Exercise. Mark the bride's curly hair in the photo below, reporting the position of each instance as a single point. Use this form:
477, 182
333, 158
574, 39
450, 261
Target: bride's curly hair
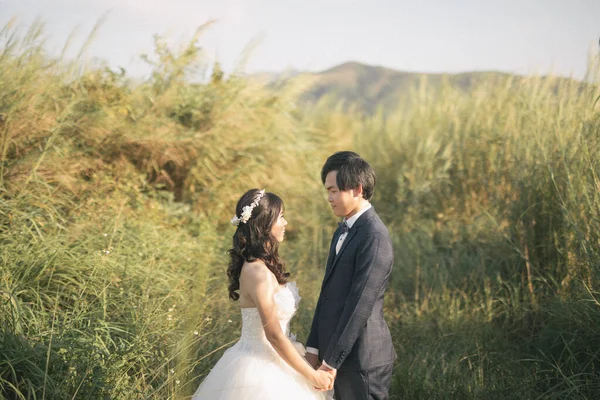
253, 240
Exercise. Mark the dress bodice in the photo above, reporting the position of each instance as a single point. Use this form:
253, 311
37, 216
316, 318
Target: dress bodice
286, 300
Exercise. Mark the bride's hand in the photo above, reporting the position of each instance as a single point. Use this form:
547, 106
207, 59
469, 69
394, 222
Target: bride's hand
322, 380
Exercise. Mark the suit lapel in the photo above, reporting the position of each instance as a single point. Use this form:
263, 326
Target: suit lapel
333, 258
336, 257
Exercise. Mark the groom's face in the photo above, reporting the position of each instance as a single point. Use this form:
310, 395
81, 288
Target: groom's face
343, 203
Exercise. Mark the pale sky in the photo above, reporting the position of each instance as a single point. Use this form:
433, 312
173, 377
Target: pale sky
519, 36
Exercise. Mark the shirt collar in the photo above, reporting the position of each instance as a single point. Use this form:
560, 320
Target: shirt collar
350, 221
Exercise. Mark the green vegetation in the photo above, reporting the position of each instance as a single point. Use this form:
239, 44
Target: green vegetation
115, 199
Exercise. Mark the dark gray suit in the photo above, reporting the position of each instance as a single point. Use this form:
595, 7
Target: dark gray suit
348, 326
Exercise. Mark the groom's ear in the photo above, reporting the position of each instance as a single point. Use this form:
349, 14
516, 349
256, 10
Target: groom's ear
358, 191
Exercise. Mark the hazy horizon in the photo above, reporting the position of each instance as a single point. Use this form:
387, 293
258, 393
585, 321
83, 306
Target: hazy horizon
535, 37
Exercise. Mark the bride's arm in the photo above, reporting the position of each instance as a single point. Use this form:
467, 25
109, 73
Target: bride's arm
261, 287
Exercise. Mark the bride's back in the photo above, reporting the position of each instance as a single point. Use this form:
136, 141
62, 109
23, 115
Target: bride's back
250, 272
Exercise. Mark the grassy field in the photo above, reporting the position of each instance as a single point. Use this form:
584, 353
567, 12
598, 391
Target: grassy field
115, 198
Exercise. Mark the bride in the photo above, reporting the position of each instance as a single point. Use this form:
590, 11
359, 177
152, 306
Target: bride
264, 364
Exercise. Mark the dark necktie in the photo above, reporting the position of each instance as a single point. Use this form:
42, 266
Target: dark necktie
343, 227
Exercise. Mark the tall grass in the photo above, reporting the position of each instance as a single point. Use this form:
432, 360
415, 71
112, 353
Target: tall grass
115, 198
494, 202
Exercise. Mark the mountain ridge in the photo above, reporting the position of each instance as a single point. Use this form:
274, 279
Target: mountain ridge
369, 87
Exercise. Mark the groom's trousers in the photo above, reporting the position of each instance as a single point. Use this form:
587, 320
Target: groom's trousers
370, 384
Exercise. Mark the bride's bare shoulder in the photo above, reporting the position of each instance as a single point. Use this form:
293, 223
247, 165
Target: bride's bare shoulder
255, 278
256, 271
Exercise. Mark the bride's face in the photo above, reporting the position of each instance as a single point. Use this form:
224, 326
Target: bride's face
278, 229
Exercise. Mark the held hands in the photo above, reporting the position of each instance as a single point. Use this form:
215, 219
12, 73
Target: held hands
325, 377
323, 380
331, 372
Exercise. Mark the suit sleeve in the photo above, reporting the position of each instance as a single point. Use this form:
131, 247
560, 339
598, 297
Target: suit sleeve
372, 269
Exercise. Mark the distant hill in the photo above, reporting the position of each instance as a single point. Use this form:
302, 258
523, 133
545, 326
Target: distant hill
369, 87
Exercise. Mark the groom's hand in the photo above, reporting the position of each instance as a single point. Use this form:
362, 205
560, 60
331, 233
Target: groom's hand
312, 359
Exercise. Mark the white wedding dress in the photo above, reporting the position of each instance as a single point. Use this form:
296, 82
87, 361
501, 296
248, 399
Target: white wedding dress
251, 369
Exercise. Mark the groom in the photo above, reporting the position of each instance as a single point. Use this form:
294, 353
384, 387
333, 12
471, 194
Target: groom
349, 336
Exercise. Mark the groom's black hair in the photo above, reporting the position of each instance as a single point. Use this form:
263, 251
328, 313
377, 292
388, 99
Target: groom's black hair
352, 171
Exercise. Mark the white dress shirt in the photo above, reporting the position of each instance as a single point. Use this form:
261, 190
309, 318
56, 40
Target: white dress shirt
350, 221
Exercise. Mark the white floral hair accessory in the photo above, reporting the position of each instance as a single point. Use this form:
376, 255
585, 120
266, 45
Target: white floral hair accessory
247, 210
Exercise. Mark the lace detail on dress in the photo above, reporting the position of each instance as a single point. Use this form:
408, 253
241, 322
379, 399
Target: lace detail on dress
294, 289
251, 324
